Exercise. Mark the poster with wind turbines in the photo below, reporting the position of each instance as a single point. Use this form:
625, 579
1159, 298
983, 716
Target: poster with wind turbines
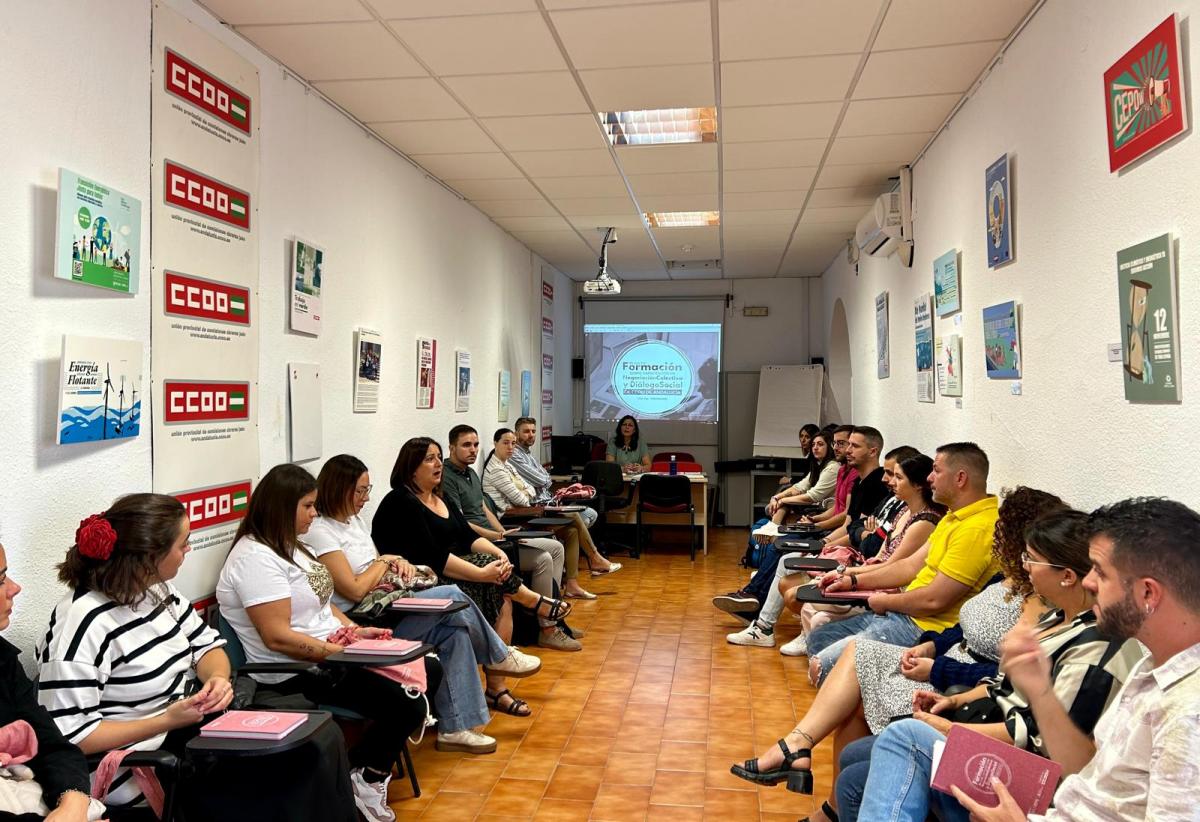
100, 390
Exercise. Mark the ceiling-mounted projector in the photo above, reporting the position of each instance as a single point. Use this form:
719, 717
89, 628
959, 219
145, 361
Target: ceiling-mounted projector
604, 284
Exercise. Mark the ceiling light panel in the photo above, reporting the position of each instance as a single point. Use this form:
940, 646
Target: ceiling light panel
656, 127
788, 80
938, 70
641, 88
756, 29
484, 44
241, 13
642, 35
335, 51
912, 23
682, 219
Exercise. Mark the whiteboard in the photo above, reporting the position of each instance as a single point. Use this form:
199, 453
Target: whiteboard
788, 397
304, 410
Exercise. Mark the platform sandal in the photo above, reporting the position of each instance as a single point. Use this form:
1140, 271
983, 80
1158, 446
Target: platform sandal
558, 609
826, 809
798, 781
514, 706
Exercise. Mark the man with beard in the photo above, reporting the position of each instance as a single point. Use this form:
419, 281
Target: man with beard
1146, 579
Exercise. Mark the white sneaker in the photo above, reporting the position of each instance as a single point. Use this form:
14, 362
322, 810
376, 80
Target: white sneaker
753, 635
466, 741
795, 647
371, 797
516, 664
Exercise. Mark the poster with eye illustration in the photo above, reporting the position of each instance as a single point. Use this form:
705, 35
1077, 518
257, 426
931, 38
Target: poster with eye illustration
998, 209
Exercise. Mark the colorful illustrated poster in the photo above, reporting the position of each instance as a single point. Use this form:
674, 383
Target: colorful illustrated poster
526, 392
547, 346
1149, 321
99, 235
462, 381
949, 359
945, 283
503, 392
100, 390
923, 319
204, 156
426, 371
998, 206
1143, 96
368, 358
883, 367
1002, 341
307, 263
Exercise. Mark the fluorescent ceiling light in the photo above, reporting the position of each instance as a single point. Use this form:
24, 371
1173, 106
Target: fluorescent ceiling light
660, 126
682, 219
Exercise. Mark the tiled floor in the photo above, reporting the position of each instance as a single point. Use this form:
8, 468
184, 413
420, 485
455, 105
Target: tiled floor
645, 721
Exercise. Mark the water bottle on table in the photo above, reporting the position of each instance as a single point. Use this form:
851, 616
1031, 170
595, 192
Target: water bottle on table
674, 466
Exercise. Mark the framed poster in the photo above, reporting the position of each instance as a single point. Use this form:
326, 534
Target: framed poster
923, 322
1143, 96
949, 359
368, 354
883, 366
462, 382
998, 211
100, 390
305, 278
945, 283
304, 410
526, 392
426, 371
502, 396
1002, 341
98, 240
1149, 321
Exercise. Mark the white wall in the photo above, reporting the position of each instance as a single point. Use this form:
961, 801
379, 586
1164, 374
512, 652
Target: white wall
1071, 431
404, 256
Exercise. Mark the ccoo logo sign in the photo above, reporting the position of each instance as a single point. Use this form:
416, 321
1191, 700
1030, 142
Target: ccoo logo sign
204, 195
193, 84
185, 296
213, 506
205, 401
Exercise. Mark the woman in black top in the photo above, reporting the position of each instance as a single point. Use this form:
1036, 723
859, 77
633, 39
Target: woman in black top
415, 521
59, 766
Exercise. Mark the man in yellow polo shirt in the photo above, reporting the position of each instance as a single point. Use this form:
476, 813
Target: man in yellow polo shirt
952, 566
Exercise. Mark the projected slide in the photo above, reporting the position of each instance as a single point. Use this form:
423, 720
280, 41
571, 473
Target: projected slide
662, 371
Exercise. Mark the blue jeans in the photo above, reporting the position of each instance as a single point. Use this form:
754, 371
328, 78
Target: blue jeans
463, 640
898, 785
760, 584
853, 766
827, 642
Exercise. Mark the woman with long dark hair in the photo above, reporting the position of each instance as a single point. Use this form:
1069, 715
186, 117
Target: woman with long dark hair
276, 596
816, 486
627, 448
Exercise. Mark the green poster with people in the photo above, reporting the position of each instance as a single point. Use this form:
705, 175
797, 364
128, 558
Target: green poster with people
1149, 321
98, 234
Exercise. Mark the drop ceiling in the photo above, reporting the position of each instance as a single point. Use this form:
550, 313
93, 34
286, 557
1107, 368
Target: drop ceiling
819, 102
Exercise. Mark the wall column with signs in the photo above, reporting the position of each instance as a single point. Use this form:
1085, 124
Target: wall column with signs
547, 366
204, 274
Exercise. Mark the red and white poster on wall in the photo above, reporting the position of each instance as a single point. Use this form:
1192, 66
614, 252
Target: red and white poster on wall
1143, 95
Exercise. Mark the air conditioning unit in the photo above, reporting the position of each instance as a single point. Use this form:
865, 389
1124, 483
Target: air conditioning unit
880, 230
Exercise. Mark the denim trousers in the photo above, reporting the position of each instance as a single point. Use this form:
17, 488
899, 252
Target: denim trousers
760, 584
827, 642
464, 640
898, 784
853, 766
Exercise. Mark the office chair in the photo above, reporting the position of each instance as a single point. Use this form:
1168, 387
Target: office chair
660, 495
609, 482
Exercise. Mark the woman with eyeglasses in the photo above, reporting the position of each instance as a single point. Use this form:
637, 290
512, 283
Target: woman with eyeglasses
464, 639
414, 518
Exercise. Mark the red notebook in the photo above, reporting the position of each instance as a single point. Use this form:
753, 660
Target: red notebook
416, 602
253, 725
382, 647
972, 760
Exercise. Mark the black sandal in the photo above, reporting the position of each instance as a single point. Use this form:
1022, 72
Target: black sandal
826, 809
514, 706
798, 781
558, 609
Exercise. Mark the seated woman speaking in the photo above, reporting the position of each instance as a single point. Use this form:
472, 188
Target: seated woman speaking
276, 596
627, 448
342, 543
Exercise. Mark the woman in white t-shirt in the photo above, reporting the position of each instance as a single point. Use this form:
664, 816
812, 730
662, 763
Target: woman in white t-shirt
342, 543
276, 596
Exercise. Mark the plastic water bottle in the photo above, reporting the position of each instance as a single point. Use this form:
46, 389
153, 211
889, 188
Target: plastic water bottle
674, 466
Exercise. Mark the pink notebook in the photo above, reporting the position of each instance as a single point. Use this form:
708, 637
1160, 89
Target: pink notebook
416, 602
253, 725
381, 647
971, 761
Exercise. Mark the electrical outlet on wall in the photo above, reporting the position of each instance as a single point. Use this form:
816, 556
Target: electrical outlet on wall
1114, 352
1016, 388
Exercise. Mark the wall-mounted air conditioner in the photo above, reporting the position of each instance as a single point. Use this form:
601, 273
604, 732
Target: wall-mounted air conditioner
887, 227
